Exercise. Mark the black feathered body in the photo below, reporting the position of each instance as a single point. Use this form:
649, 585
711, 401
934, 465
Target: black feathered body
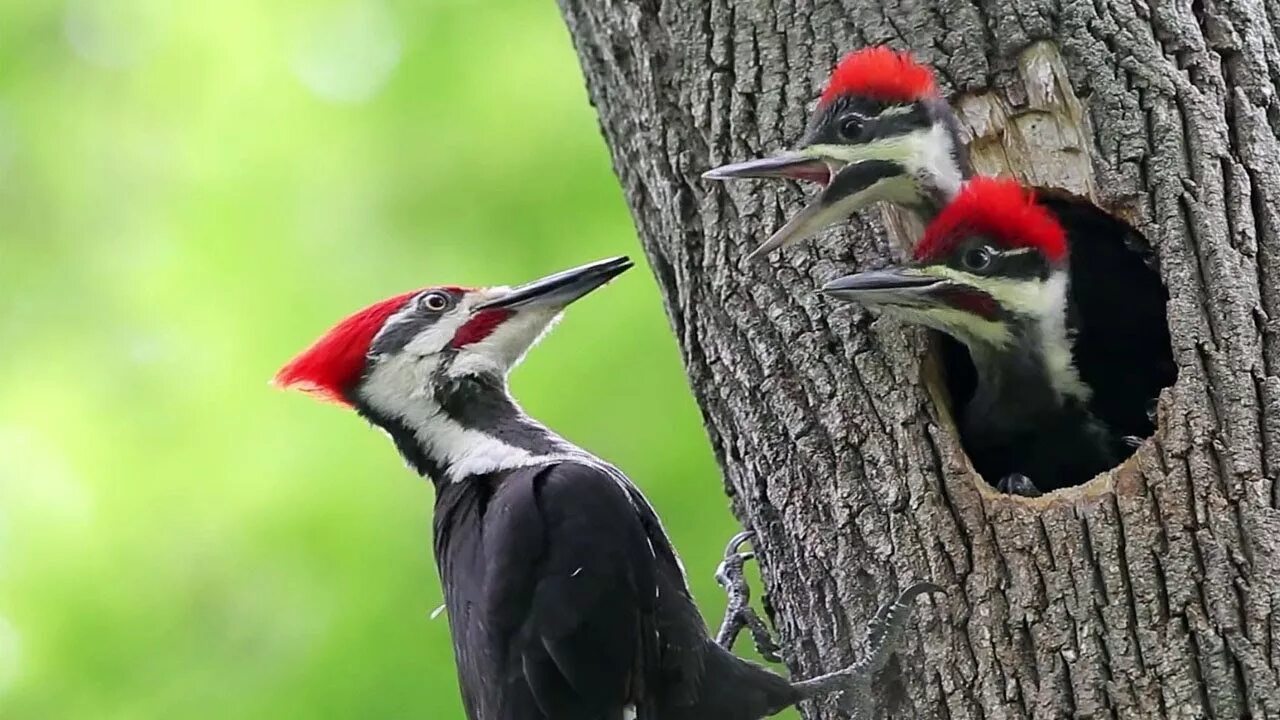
565, 597
566, 602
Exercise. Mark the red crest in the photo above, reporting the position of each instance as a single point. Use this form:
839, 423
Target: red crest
1000, 209
881, 74
333, 364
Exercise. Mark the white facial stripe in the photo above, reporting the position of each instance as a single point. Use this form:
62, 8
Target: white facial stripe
894, 147
400, 316
966, 326
934, 156
440, 333
399, 386
926, 153
400, 380
1028, 297
1057, 340
1046, 301
896, 110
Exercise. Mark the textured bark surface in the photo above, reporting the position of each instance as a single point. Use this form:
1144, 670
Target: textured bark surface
1153, 591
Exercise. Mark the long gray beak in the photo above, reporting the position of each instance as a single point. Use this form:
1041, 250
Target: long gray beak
790, 165
852, 188
562, 288
903, 286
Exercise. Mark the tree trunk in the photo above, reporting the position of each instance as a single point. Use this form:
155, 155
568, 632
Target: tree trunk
1152, 591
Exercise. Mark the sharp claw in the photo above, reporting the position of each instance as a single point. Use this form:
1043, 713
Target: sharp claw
919, 589
736, 542
883, 632
738, 614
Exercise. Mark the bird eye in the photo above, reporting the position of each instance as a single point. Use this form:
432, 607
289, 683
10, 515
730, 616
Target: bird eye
435, 302
978, 258
850, 127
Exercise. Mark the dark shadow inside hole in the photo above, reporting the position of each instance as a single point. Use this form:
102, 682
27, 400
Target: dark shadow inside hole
1119, 334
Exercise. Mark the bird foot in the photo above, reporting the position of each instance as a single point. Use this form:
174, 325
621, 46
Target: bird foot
883, 633
1018, 484
739, 613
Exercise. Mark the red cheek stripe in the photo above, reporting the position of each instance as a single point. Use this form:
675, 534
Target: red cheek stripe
480, 326
976, 302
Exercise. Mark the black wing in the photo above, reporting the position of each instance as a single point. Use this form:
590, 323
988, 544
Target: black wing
570, 590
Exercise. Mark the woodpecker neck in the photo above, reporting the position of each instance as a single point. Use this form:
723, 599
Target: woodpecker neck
941, 163
465, 425
1013, 387
1033, 374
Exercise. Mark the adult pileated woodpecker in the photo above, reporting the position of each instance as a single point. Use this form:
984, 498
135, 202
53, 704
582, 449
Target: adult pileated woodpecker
991, 272
566, 600
882, 132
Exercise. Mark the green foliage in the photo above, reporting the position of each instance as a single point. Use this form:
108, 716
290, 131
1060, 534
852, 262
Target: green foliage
189, 194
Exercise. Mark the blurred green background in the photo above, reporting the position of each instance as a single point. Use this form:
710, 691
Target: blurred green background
189, 194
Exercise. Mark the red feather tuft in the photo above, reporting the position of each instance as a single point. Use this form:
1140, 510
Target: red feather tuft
881, 74
333, 364
480, 326
1000, 209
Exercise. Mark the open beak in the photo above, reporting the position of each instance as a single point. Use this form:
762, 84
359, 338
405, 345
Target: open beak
852, 187
846, 188
558, 290
899, 286
802, 165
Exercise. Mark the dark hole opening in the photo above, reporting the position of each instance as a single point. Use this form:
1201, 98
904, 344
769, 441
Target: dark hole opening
1119, 332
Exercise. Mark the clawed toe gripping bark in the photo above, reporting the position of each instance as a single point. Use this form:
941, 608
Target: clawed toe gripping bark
738, 613
854, 682
883, 633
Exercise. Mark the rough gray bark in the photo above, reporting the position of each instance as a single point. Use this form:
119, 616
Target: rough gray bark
1150, 592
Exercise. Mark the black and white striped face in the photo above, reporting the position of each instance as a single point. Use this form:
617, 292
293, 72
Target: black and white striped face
853, 120
980, 293
445, 333
863, 151
430, 368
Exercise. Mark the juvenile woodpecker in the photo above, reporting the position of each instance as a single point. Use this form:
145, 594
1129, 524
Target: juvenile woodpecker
565, 597
991, 272
882, 132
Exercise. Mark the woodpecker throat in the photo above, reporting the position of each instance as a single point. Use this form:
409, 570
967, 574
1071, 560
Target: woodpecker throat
465, 426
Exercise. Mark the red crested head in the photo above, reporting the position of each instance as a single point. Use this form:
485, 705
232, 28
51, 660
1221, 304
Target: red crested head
332, 366
999, 209
384, 351
880, 73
